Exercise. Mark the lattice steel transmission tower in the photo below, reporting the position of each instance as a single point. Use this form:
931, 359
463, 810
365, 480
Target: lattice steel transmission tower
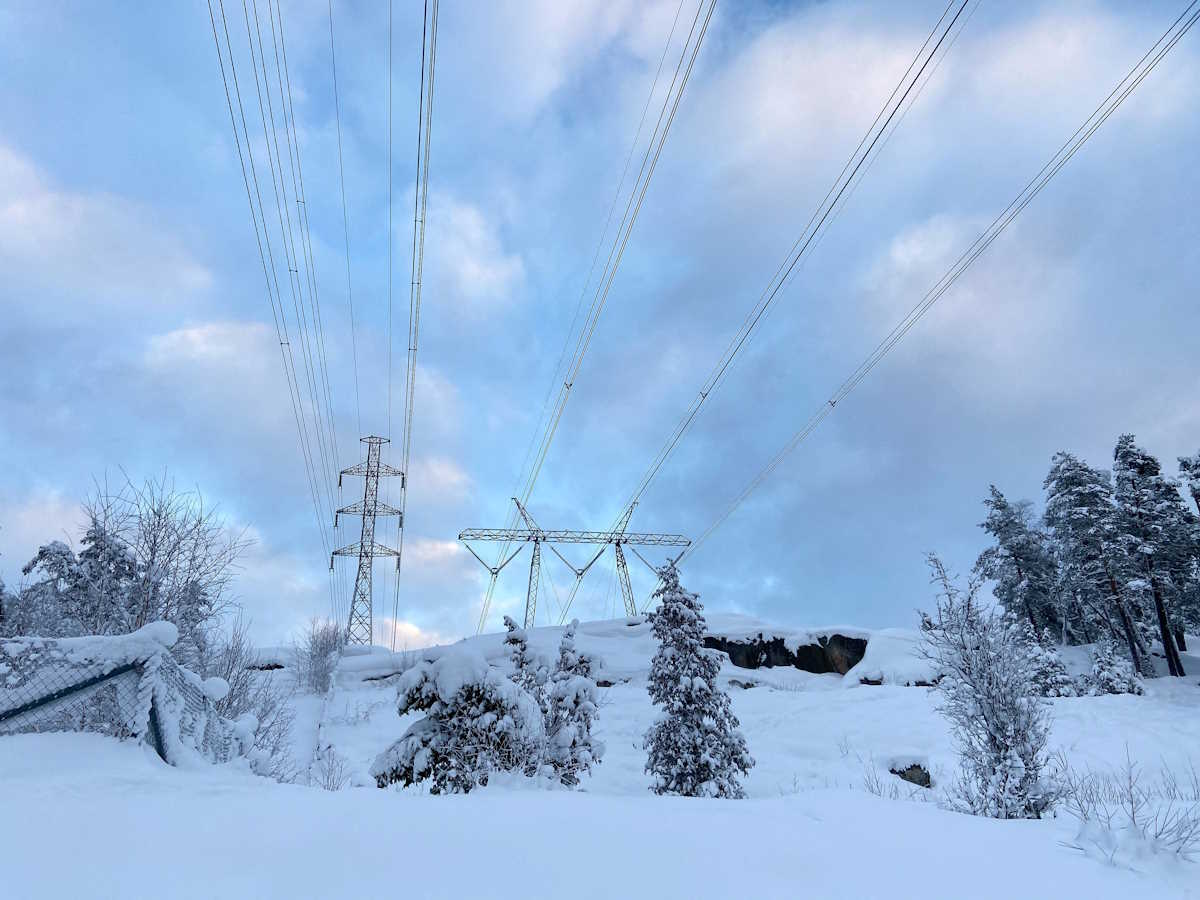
360, 625
534, 534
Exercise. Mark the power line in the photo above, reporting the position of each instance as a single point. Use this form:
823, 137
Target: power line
389, 220
1062, 156
818, 219
420, 204
337, 112
633, 206
262, 240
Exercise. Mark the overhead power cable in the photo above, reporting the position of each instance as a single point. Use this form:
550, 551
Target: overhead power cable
683, 71
904, 87
261, 225
1064, 154
337, 114
420, 205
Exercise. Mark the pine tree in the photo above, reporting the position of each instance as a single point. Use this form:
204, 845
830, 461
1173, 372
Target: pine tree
572, 701
1189, 473
695, 748
1082, 519
1021, 562
1153, 534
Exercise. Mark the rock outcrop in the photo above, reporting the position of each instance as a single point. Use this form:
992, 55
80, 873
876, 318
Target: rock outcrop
833, 653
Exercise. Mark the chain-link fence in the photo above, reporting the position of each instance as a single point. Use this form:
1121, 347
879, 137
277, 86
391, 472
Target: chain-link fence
124, 686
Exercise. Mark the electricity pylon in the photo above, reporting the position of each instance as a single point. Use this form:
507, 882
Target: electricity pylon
360, 626
534, 534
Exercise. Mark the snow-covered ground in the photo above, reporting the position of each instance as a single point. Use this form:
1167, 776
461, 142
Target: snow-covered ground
88, 816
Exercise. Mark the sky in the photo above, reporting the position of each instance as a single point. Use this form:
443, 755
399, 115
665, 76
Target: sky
137, 337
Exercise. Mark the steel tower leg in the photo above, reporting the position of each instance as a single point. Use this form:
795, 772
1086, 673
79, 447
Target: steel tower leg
626, 587
535, 573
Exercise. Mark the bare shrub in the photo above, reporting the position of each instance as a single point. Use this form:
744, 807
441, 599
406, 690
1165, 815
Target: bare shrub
1161, 811
254, 691
316, 655
329, 770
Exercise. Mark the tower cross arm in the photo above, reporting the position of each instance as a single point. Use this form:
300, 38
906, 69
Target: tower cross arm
357, 549
641, 539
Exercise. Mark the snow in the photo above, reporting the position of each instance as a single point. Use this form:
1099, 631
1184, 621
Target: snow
892, 657
809, 826
741, 628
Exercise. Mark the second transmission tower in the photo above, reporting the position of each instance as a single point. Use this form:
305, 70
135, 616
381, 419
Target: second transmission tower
360, 625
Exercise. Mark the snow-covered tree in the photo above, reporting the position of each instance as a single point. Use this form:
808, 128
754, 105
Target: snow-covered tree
477, 721
695, 748
1050, 676
989, 695
1154, 534
1082, 518
1020, 561
1112, 673
529, 671
1189, 474
572, 701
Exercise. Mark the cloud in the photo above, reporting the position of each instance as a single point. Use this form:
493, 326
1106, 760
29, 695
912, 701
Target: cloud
439, 478
470, 267
211, 345
535, 48
94, 246
45, 514
406, 635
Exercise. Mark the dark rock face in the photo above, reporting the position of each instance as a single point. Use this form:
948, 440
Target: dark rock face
915, 774
832, 653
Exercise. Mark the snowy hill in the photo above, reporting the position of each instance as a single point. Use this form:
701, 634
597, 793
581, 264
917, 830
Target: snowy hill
824, 815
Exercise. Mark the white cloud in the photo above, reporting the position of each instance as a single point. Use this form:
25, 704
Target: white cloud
91, 243
27, 523
470, 264
536, 47
210, 344
406, 635
439, 478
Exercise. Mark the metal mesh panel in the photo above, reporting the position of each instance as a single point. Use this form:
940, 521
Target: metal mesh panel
48, 685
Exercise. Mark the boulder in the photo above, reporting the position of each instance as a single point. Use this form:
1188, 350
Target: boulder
834, 653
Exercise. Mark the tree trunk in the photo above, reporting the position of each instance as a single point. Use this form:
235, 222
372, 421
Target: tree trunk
1180, 640
1139, 665
1174, 663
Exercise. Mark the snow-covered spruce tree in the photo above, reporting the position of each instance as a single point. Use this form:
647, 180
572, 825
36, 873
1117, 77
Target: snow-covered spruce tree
695, 748
529, 671
1082, 517
1050, 676
989, 695
1112, 672
1154, 533
571, 749
1020, 561
477, 721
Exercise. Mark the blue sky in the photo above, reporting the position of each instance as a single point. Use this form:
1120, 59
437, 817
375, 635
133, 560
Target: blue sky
136, 332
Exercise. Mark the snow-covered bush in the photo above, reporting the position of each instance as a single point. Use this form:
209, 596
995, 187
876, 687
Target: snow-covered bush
695, 748
989, 695
477, 721
571, 703
1112, 673
255, 692
316, 655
